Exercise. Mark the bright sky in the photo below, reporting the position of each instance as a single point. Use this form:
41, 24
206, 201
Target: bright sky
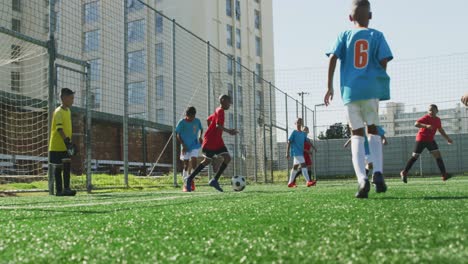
305, 29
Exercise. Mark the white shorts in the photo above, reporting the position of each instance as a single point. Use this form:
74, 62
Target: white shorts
189, 154
298, 160
362, 113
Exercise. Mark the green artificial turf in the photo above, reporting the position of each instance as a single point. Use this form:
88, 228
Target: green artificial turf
424, 221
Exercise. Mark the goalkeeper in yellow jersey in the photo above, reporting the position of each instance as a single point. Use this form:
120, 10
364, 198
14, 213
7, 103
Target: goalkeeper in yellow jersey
60, 146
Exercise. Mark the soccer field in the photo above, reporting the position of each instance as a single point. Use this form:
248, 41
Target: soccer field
421, 222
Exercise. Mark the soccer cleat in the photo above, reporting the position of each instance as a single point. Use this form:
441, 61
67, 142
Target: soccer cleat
378, 180
193, 186
310, 183
69, 192
446, 176
59, 193
363, 190
404, 176
292, 185
314, 182
187, 185
215, 184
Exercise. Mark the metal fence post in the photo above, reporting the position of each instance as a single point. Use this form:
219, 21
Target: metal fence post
174, 104
89, 183
208, 110
52, 78
234, 91
271, 132
125, 116
287, 126
254, 123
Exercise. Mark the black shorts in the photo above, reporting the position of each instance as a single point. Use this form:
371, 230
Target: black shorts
421, 145
56, 157
211, 153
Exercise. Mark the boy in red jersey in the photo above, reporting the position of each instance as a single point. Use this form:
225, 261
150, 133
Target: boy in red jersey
213, 144
307, 157
428, 125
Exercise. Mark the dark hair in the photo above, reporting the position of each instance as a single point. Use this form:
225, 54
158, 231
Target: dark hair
435, 106
191, 111
65, 92
224, 97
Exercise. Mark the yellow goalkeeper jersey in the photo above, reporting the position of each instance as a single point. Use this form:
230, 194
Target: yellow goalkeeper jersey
60, 120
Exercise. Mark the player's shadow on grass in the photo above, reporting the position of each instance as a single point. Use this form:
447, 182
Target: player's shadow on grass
424, 198
445, 198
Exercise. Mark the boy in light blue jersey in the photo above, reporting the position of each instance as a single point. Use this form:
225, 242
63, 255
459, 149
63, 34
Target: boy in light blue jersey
364, 54
296, 150
189, 132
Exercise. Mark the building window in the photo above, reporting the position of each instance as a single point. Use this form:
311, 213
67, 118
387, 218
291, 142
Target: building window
96, 97
136, 31
16, 5
238, 10
240, 98
259, 100
240, 121
95, 70
91, 41
136, 93
229, 8
159, 23
238, 38
159, 87
229, 64
257, 19
258, 46
160, 115
231, 120
15, 52
91, 12
159, 54
229, 35
230, 90
15, 81
16, 25
136, 61
239, 67
134, 5
258, 71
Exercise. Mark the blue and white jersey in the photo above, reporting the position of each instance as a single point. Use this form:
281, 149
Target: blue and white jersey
189, 132
360, 51
296, 141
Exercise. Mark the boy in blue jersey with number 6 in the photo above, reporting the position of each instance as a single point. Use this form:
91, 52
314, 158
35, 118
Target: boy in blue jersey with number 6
364, 54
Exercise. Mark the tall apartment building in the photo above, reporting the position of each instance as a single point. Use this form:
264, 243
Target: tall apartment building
98, 31
397, 122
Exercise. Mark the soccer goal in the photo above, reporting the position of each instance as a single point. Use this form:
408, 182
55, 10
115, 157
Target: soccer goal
23, 111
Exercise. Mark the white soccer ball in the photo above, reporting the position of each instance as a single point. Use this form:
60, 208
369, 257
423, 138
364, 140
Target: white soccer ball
238, 183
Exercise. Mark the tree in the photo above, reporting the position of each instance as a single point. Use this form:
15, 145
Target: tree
336, 131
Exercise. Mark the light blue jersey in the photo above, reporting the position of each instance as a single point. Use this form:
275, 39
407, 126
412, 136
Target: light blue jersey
360, 51
296, 141
381, 133
189, 132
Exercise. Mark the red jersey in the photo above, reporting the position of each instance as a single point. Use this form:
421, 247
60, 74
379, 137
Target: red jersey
213, 138
307, 155
427, 135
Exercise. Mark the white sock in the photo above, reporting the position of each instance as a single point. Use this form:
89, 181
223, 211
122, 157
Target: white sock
292, 176
359, 158
375, 147
306, 174
185, 174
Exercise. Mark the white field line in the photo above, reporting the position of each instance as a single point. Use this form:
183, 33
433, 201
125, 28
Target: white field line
104, 203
